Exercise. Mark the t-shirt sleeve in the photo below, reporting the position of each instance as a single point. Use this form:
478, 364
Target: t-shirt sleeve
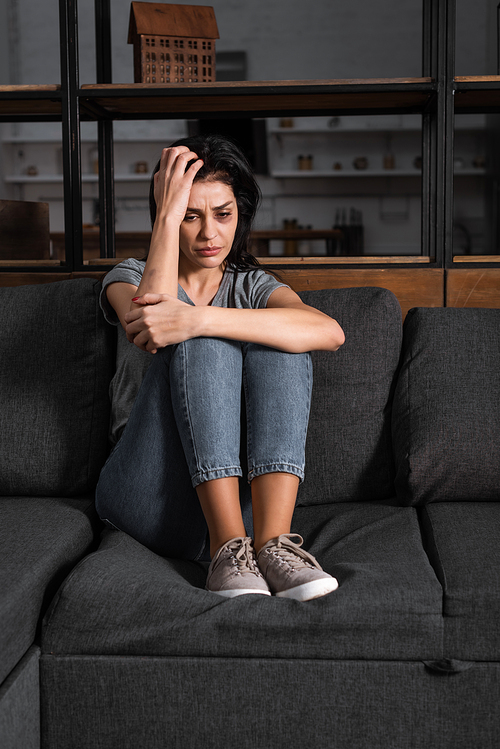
261, 286
129, 271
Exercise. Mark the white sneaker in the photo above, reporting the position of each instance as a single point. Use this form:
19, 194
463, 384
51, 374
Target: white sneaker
292, 572
234, 571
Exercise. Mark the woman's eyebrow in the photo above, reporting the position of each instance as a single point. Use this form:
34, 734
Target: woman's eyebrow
215, 208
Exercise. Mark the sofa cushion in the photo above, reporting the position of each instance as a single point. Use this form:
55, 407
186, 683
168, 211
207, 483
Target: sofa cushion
462, 542
40, 540
126, 702
20, 704
125, 600
349, 452
446, 414
57, 357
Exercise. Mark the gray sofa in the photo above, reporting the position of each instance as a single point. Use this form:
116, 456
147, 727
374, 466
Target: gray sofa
105, 645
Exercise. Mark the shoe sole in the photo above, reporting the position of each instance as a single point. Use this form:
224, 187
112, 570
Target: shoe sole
240, 592
308, 591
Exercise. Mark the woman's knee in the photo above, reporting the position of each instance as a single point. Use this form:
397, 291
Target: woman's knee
210, 349
215, 358
286, 374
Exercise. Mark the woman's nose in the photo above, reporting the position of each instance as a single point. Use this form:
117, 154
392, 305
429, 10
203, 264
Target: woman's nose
208, 229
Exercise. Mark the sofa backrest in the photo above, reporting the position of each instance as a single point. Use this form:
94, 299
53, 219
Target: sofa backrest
446, 414
349, 451
56, 362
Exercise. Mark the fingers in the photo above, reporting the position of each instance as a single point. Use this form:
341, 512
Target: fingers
178, 157
149, 298
174, 180
140, 337
145, 300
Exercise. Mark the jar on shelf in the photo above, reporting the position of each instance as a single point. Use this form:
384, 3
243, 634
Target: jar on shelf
389, 161
361, 162
305, 163
94, 161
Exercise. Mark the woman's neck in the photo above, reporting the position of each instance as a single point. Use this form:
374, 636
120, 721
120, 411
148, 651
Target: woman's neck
201, 286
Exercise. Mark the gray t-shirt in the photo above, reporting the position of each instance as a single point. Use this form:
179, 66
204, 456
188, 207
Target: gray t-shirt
249, 289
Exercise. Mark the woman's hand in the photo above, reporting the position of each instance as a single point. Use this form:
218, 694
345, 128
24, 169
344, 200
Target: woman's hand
172, 183
159, 321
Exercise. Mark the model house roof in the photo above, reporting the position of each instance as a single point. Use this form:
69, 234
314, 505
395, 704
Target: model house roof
166, 19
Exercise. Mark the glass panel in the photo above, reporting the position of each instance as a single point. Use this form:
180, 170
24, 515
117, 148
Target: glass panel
33, 42
332, 186
359, 176
33, 190
476, 39
137, 148
475, 184
298, 41
284, 40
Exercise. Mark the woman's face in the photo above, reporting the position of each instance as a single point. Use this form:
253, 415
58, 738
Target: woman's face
207, 231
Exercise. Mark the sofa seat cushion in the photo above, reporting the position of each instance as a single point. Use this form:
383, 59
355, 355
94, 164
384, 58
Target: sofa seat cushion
125, 600
462, 542
40, 540
446, 411
20, 704
57, 359
349, 449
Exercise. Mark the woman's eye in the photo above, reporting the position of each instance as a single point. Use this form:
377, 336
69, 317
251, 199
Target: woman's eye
189, 217
224, 214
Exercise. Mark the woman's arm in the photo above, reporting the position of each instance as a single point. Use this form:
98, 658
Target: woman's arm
172, 186
120, 297
286, 324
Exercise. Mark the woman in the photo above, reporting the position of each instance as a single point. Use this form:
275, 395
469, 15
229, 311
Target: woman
216, 324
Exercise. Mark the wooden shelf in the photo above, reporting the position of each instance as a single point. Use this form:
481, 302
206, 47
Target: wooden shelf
58, 178
260, 98
278, 260
345, 260
256, 98
480, 93
28, 263
476, 259
357, 173
30, 102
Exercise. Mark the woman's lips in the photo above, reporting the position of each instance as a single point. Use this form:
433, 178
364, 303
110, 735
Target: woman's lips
209, 251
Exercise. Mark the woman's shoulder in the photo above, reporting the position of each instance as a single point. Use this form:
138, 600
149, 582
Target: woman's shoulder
249, 275
252, 287
131, 263
128, 271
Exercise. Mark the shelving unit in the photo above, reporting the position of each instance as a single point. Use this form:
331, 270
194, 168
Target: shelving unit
435, 97
58, 178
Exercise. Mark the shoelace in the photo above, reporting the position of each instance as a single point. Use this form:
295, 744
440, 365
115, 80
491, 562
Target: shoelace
245, 558
293, 555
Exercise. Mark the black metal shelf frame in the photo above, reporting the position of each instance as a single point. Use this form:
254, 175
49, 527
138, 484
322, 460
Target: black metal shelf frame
436, 104
435, 65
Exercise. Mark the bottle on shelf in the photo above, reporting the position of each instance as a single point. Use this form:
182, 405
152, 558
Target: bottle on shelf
352, 241
290, 245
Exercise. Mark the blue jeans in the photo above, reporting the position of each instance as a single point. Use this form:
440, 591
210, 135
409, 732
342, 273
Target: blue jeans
185, 429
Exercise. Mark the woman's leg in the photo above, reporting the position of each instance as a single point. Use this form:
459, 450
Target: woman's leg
145, 487
220, 502
273, 503
208, 371
278, 390
206, 389
278, 395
